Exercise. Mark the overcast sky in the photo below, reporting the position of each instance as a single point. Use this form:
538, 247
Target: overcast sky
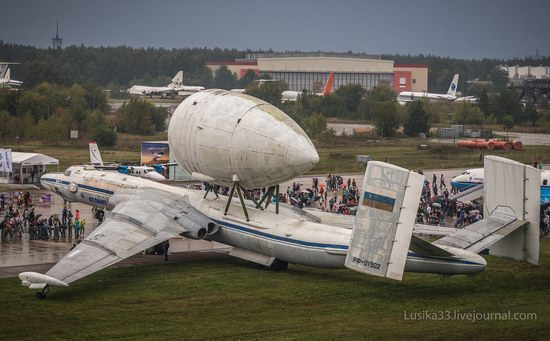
457, 28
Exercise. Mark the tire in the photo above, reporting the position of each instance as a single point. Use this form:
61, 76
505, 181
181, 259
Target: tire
278, 265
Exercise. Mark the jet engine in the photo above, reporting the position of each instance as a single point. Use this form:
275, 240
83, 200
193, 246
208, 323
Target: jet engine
224, 137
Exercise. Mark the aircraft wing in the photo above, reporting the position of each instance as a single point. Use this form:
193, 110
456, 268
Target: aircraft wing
140, 219
484, 233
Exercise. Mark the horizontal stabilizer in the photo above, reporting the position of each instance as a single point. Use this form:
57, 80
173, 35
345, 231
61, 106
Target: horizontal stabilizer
423, 247
385, 219
479, 236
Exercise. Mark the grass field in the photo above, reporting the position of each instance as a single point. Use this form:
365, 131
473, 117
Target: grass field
337, 157
227, 299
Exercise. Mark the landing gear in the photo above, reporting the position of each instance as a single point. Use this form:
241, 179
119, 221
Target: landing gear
42, 294
278, 265
99, 214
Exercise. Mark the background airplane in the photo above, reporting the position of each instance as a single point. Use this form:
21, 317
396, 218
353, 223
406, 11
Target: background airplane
292, 96
407, 96
175, 87
5, 76
474, 177
148, 172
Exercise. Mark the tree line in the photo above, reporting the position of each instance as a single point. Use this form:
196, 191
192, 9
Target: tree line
380, 107
122, 66
50, 111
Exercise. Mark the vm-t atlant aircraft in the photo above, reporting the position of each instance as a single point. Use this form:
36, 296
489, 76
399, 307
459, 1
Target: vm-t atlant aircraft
232, 139
175, 87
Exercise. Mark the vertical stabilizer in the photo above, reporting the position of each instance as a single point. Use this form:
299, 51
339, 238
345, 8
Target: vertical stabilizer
385, 219
453, 86
95, 156
328, 86
514, 188
178, 79
7, 75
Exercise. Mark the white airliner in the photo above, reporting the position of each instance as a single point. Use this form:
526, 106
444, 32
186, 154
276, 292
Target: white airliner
474, 177
242, 141
6, 80
175, 87
292, 96
147, 172
407, 96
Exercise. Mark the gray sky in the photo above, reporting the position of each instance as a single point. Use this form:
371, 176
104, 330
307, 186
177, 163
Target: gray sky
462, 29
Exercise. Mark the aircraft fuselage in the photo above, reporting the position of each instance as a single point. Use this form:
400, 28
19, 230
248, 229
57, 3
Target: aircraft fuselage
288, 236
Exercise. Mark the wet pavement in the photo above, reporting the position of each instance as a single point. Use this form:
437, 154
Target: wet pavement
19, 254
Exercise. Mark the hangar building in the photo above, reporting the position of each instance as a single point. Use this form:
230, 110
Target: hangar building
310, 71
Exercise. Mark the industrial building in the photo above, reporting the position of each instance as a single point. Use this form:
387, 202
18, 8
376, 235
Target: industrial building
310, 71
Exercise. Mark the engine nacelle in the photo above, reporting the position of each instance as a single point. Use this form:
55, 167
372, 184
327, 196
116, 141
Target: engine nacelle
230, 136
194, 229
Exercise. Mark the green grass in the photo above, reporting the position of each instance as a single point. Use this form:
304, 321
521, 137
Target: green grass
226, 299
337, 156
341, 158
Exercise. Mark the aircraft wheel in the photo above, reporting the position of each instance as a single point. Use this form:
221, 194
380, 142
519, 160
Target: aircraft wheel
40, 295
278, 265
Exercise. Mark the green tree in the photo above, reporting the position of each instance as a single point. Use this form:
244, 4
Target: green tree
224, 79
507, 123
386, 118
329, 105
8, 128
499, 78
466, 113
105, 137
134, 117
248, 77
380, 93
531, 114
95, 98
484, 103
352, 95
418, 119
506, 103
268, 91
316, 125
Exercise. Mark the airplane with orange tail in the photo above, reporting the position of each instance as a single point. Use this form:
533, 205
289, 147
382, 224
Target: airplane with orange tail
292, 96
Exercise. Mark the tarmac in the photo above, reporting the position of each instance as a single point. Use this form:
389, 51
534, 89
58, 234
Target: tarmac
22, 254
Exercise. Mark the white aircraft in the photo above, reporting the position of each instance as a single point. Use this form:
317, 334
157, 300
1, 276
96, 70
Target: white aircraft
175, 87
239, 140
6, 80
407, 96
292, 96
473, 177
147, 172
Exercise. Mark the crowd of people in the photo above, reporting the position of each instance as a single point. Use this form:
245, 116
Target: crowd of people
437, 208
19, 217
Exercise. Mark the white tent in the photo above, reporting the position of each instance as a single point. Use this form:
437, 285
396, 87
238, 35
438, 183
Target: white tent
28, 167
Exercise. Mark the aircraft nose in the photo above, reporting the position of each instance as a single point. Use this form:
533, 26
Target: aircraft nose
315, 158
302, 156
